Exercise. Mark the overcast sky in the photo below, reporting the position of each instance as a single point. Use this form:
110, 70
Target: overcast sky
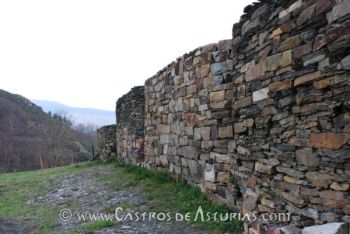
88, 53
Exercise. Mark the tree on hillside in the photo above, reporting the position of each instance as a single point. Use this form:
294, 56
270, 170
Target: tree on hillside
87, 134
59, 139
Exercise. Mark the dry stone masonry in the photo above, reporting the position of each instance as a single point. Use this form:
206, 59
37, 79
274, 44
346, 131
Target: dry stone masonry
260, 122
106, 141
130, 126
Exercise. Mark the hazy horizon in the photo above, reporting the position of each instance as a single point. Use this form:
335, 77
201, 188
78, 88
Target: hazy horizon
89, 53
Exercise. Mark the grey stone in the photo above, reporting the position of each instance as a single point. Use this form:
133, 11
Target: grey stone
345, 62
329, 228
260, 94
341, 9
218, 68
209, 173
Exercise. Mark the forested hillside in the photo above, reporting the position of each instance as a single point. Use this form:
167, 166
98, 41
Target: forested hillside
31, 139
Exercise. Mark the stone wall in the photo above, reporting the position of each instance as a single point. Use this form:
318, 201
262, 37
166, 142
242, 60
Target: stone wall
262, 122
130, 126
106, 141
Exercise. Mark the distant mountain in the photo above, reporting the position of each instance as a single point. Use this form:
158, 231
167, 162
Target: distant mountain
79, 115
32, 139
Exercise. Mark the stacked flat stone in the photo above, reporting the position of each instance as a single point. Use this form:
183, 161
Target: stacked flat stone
106, 141
260, 122
130, 126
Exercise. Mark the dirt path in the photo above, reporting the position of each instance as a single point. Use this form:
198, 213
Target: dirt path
92, 192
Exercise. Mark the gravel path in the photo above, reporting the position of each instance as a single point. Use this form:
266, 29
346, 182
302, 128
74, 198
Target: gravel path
87, 193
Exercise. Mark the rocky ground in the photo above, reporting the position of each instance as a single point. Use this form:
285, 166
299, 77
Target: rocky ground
95, 191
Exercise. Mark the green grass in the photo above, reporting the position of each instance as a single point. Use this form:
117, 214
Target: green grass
93, 226
82, 148
16, 188
165, 194
162, 193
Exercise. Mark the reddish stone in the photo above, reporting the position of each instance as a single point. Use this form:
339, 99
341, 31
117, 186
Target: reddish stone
140, 143
335, 203
277, 32
191, 120
320, 41
203, 71
322, 83
305, 78
338, 31
286, 84
328, 140
251, 182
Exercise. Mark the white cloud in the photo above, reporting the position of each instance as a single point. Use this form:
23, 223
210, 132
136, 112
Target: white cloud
88, 53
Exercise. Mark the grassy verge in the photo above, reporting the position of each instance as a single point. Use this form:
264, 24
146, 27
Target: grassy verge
165, 194
96, 225
17, 188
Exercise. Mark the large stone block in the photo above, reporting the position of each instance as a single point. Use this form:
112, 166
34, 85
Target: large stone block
341, 9
290, 9
205, 133
319, 179
256, 71
203, 71
290, 43
329, 140
218, 68
209, 173
225, 132
220, 158
306, 157
219, 105
260, 94
329, 228
278, 86
223, 177
217, 96
278, 60
263, 168
242, 103
250, 199
190, 152
306, 78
